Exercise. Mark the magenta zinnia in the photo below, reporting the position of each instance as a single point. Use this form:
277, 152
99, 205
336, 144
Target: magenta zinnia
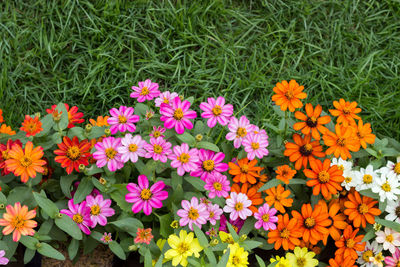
210, 163
79, 213
158, 149
184, 159
144, 198
215, 111
122, 120
177, 115
266, 218
99, 209
107, 154
165, 97
193, 213
147, 90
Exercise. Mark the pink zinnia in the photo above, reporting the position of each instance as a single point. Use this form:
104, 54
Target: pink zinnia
3, 260
79, 213
193, 213
99, 209
122, 120
237, 205
261, 132
143, 236
184, 159
157, 132
177, 115
106, 238
146, 91
210, 163
217, 185
132, 148
158, 149
216, 111
144, 198
393, 261
165, 98
255, 146
266, 218
214, 213
238, 130
107, 154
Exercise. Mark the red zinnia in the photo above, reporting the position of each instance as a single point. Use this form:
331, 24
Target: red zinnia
31, 126
4, 149
73, 115
72, 153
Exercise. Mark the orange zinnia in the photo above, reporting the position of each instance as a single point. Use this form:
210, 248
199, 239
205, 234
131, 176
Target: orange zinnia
349, 244
339, 262
251, 193
346, 112
324, 178
17, 219
288, 95
364, 134
338, 219
25, 163
342, 142
277, 196
4, 129
245, 171
286, 233
312, 122
361, 210
31, 126
101, 121
303, 151
312, 223
1, 116
285, 173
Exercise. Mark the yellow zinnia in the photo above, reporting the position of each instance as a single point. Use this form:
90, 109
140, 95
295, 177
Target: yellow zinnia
302, 258
226, 238
282, 262
237, 256
182, 247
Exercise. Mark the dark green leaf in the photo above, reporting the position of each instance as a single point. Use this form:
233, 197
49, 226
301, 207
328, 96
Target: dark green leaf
66, 182
270, 184
29, 242
46, 204
260, 261
165, 222
207, 145
147, 259
129, 225
117, 249
48, 251
73, 248
28, 255
393, 225
47, 123
85, 187
224, 259
66, 224
201, 236
196, 182
186, 138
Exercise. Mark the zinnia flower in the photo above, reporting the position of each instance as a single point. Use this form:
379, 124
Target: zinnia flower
393, 210
217, 185
177, 115
3, 260
158, 149
1, 119
215, 111
394, 260
349, 243
4, 129
122, 120
252, 194
147, 90
302, 258
338, 219
239, 129
277, 197
237, 256
144, 198
391, 168
106, 238
100, 121
31, 126
72, 153
99, 209
285, 173
4, 149
184, 159
389, 238
17, 220
132, 148
311, 123
387, 187
245, 171
79, 213
25, 163
281, 261
209, 163
107, 154
288, 95
236, 225
143, 236
266, 218
366, 177
193, 213
361, 210
214, 213
370, 251
345, 111
157, 132
341, 142
286, 234
238, 206
165, 97
255, 145
182, 247
364, 134
303, 151
73, 115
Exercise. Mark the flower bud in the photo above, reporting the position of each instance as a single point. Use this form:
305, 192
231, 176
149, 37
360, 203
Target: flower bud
199, 137
37, 114
59, 215
214, 242
82, 167
243, 238
174, 224
102, 180
377, 227
285, 142
88, 128
149, 114
2, 206
107, 132
133, 248
38, 245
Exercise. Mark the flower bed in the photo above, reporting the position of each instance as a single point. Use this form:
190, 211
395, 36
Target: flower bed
182, 184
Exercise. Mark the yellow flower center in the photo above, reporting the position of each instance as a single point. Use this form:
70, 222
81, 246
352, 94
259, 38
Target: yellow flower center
386, 187
323, 177
183, 247
166, 101
265, 217
239, 206
178, 114
398, 263
193, 214
145, 91
18, 222
348, 179
107, 238
208, 165
217, 186
110, 153
306, 150
244, 168
289, 94
367, 179
95, 210
184, 158
5, 155
285, 233
236, 260
241, 132
25, 161
309, 222
301, 262
217, 110
350, 243
157, 149
340, 167
389, 238
341, 142
346, 110
255, 146
366, 255
145, 194
77, 218
363, 208
157, 134
133, 147
379, 258
73, 152
397, 168
122, 119
212, 214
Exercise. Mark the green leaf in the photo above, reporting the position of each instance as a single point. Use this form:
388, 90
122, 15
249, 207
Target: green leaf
63, 123
140, 109
147, 259
270, 184
196, 182
65, 184
251, 244
28, 255
56, 138
78, 132
19, 194
29, 242
46, 204
12, 246
297, 181
247, 226
260, 261
393, 225
96, 132
273, 264
233, 232
207, 145
369, 235
73, 248
85, 187
66, 224
48, 251
224, 259
129, 225
201, 236
369, 193
47, 123
119, 197
3, 199
117, 249
175, 179
210, 256
165, 222
186, 138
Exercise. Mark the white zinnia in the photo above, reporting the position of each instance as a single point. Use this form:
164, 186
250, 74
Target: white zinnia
386, 187
350, 180
343, 165
389, 238
393, 210
392, 168
370, 250
366, 178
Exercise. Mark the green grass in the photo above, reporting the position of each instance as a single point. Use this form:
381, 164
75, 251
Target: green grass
90, 54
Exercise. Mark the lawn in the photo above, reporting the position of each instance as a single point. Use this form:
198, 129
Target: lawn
90, 54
